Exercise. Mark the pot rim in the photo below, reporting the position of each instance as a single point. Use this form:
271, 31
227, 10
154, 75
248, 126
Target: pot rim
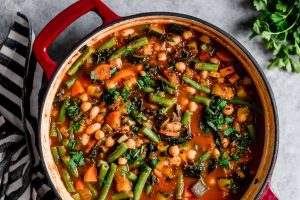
167, 14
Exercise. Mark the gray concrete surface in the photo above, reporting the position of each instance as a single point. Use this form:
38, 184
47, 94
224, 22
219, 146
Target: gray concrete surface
228, 15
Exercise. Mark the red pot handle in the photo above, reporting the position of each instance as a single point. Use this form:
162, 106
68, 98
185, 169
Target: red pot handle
268, 194
60, 23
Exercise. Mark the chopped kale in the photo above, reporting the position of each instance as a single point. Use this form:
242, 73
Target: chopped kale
71, 144
193, 170
153, 162
223, 162
144, 81
113, 71
77, 157
176, 29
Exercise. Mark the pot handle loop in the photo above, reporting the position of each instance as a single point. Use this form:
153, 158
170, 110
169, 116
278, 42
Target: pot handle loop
59, 23
268, 194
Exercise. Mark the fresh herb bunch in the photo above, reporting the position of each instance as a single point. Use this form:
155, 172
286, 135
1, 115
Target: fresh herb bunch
279, 27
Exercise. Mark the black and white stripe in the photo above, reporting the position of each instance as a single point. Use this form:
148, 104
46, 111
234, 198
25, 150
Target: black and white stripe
22, 86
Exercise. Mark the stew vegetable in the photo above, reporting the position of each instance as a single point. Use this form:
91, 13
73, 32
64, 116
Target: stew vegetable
156, 111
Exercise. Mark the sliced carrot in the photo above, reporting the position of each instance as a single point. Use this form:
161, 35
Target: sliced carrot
169, 133
222, 55
90, 145
86, 82
79, 185
233, 78
90, 174
102, 72
203, 55
77, 88
170, 76
227, 70
113, 119
121, 76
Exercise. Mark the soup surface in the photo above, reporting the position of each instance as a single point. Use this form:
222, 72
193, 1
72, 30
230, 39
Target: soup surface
156, 111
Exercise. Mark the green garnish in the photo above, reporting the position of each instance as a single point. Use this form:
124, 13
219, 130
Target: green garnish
279, 27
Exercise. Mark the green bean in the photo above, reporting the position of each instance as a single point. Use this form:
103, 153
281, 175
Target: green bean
63, 109
139, 117
108, 181
169, 90
55, 154
163, 101
150, 134
92, 189
71, 166
141, 182
200, 99
180, 186
206, 66
132, 176
100, 163
205, 156
165, 81
108, 44
148, 188
59, 136
121, 149
196, 85
83, 57
122, 195
102, 173
68, 181
53, 132
129, 48
69, 83
252, 131
76, 196
186, 118
61, 150
148, 89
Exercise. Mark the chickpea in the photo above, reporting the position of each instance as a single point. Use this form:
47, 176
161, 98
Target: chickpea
190, 90
94, 112
174, 150
187, 35
242, 93
162, 56
130, 143
147, 49
176, 160
193, 106
127, 32
109, 142
85, 106
92, 128
216, 153
247, 81
242, 114
183, 101
139, 67
204, 74
180, 66
84, 97
191, 154
225, 142
214, 60
143, 73
125, 129
205, 39
99, 135
138, 142
117, 62
122, 161
228, 109
176, 39
173, 126
100, 118
85, 139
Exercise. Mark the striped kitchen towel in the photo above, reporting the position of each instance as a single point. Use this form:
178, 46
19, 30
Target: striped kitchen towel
22, 85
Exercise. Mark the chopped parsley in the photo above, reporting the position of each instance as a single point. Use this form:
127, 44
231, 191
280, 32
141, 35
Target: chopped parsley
223, 162
71, 144
144, 81
93, 75
154, 162
113, 71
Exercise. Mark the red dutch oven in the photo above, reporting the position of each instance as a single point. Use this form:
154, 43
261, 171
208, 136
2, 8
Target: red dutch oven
260, 186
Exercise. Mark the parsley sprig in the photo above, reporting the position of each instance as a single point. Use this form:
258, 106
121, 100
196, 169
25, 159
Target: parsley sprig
279, 27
